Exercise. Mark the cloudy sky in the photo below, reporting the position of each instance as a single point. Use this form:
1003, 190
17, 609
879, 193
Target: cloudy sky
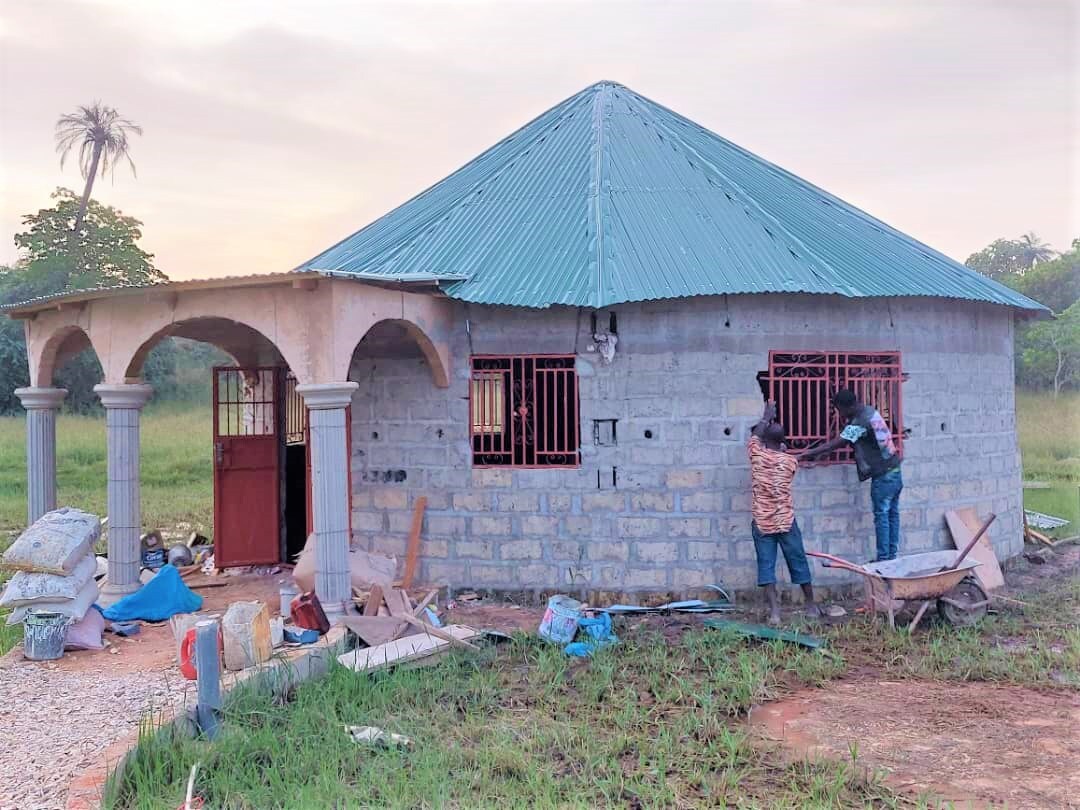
275, 127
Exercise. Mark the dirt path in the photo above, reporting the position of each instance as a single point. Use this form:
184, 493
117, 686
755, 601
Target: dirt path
977, 744
56, 721
58, 718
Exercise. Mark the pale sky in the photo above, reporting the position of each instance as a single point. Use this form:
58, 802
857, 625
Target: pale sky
273, 128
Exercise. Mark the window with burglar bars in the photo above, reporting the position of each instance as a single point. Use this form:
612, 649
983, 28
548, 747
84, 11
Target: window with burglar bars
803, 384
523, 411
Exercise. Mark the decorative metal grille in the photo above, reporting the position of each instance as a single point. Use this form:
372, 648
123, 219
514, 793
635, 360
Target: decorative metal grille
803, 384
295, 413
523, 411
245, 401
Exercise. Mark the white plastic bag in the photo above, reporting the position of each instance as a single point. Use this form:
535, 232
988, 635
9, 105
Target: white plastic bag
55, 544
365, 569
27, 588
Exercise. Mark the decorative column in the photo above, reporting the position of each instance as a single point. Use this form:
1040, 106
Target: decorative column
41, 405
122, 406
326, 404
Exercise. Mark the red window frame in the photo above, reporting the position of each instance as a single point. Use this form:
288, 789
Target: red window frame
524, 411
802, 385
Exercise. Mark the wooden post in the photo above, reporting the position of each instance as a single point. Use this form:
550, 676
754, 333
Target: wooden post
208, 668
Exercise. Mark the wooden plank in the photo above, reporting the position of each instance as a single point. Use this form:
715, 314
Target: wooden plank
438, 632
401, 650
412, 551
374, 600
395, 601
375, 630
425, 602
963, 525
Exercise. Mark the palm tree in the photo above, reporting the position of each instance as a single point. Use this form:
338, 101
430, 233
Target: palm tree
102, 137
1034, 250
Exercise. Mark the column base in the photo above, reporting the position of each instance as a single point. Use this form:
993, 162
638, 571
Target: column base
111, 594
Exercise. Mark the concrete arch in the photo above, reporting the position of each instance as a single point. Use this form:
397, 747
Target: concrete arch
440, 373
55, 349
245, 344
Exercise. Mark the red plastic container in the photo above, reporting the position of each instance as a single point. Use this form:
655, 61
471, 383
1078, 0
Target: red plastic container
187, 654
307, 612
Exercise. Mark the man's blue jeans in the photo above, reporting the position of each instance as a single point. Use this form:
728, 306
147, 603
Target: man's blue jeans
885, 497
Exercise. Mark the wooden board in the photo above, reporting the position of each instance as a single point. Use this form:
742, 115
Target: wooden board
403, 649
412, 551
374, 601
963, 525
396, 602
375, 630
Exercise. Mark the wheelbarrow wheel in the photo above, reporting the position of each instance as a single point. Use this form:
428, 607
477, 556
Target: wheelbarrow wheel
965, 604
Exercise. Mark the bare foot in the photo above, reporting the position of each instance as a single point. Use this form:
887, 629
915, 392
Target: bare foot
774, 618
812, 611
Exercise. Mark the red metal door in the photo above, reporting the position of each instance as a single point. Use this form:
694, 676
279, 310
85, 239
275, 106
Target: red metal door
246, 457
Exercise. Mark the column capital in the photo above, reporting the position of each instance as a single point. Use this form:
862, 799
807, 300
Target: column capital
130, 397
326, 396
45, 399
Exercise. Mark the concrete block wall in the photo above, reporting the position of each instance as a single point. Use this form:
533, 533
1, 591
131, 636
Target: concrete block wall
667, 508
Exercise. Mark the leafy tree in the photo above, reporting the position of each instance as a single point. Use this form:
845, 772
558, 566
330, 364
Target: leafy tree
1055, 283
1007, 257
104, 253
101, 134
1051, 349
1034, 250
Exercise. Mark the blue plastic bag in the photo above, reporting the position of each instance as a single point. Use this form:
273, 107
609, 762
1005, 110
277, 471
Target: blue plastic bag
595, 633
162, 597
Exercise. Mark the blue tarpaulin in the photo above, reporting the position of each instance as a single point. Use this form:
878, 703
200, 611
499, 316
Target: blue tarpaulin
160, 598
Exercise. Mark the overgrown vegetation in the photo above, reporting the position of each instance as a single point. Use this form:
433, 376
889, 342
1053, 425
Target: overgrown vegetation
1047, 351
647, 724
651, 722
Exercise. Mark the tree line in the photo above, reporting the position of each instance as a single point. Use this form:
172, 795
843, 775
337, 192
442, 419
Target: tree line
1047, 351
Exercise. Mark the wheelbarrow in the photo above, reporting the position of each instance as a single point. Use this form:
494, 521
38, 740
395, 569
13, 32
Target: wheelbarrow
944, 577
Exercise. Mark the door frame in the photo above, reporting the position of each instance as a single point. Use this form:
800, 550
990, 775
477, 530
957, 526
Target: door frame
273, 492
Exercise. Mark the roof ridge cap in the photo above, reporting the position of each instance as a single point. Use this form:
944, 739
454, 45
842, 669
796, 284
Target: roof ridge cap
600, 98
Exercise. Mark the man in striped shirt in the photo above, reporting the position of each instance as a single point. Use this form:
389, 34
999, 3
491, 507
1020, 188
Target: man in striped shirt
774, 526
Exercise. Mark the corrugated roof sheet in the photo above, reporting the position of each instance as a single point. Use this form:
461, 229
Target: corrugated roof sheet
609, 198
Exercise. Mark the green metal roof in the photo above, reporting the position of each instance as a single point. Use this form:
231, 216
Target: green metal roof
609, 198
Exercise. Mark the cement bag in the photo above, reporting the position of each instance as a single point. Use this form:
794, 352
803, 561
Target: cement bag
86, 634
55, 544
74, 609
29, 589
365, 569
246, 632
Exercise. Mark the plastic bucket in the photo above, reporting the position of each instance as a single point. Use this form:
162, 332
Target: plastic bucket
44, 634
560, 622
287, 593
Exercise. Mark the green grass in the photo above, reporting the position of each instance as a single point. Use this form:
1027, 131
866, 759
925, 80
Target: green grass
653, 722
175, 457
645, 724
1049, 432
177, 476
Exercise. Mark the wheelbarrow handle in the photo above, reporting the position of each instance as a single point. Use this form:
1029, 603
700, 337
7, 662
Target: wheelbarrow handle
837, 562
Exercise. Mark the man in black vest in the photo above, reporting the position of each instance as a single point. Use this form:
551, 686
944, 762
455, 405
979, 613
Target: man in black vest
875, 458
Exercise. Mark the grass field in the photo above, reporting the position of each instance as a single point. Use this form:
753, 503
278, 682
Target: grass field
1049, 436
655, 721
175, 457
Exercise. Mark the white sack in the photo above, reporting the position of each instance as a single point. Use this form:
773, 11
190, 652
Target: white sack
26, 588
55, 544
